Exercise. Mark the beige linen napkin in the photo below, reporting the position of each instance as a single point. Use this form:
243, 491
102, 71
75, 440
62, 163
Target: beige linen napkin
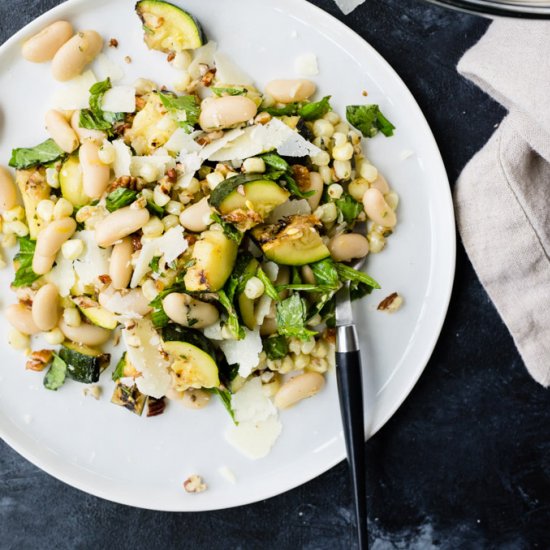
502, 197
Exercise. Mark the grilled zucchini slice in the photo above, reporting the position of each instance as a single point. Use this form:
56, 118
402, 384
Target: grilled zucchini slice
84, 364
168, 28
34, 188
295, 241
70, 182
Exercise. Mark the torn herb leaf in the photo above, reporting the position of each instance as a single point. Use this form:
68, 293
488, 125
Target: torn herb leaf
24, 276
270, 289
95, 118
349, 207
315, 110
43, 153
369, 120
184, 107
291, 318
119, 198
225, 397
228, 228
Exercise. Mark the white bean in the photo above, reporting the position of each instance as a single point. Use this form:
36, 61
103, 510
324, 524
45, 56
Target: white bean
20, 317
95, 174
85, 334
8, 193
120, 224
84, 133
44, 45
377, 209
45, 307
357, 188
187, 311
316, 185
289, 91
61, 131
381, 184
346, 247
120, 265
224, 112
71, 58
194, 217
49, 242
298, 388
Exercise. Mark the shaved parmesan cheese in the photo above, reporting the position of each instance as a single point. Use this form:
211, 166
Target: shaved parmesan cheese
245, 352
181, 141
262, 138
147, 358
227, 474
93, 262
306, 65
228, 72
202, 56
290, 208
107, 68
190, 164
62, 275
129, 305
123, 158
75, 94
251, 404
170, 246
214, 332
258, 425
347, 6
120, 99
220, 143
162, 163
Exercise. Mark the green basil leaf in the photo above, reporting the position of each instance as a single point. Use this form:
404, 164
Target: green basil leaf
43, 153
119, 369
325, 273
228, 228
225, 397
25, 276
292, 186
95, 118
291, 318
349, 207
276, 347
288, 110
185, 108
233, 319
347, 273
369, 120
275, 161
313, 111
120, 198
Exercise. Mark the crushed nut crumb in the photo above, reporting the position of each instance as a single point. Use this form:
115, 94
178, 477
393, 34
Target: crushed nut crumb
365, 93
171, 56
113, 43
391, 303
127, 59
92, 391
194, 484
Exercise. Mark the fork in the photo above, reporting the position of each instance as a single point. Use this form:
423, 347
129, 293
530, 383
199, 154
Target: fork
350, 392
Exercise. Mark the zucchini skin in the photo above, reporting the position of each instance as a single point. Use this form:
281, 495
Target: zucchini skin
178, 333
83, 364
225, 188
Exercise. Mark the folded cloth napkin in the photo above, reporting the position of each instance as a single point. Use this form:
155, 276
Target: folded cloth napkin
502, 197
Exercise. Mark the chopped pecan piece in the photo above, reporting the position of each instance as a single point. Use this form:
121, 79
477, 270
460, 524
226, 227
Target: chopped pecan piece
39, 359
155, 406
113, 43
301, 175
129, 182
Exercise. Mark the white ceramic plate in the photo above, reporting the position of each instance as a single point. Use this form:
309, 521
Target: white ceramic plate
105, 450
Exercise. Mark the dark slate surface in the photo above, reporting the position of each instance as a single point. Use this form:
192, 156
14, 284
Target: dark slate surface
465, 462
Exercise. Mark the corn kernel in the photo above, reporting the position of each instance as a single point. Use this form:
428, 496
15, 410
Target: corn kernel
182, 82
9, 241
16, 228
368, 172
18, 340
357, 188
160, 198
72, 317
170, 221
149, 289
182, 60
320, 350
342, 128
376, 242
339, 139
392, 199
17, 213
149, 172
214, 179
308, 346
54, 337
343, 152
342, 169
72, 249
256, 165
44, 210
332, 117
301, 361
323, 128
174, 207
254, 288
335, 191
326, 174
153, 228
52, 177
321, 159
107, 153
62, 209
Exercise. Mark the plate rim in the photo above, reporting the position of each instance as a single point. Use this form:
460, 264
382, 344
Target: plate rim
74, 481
